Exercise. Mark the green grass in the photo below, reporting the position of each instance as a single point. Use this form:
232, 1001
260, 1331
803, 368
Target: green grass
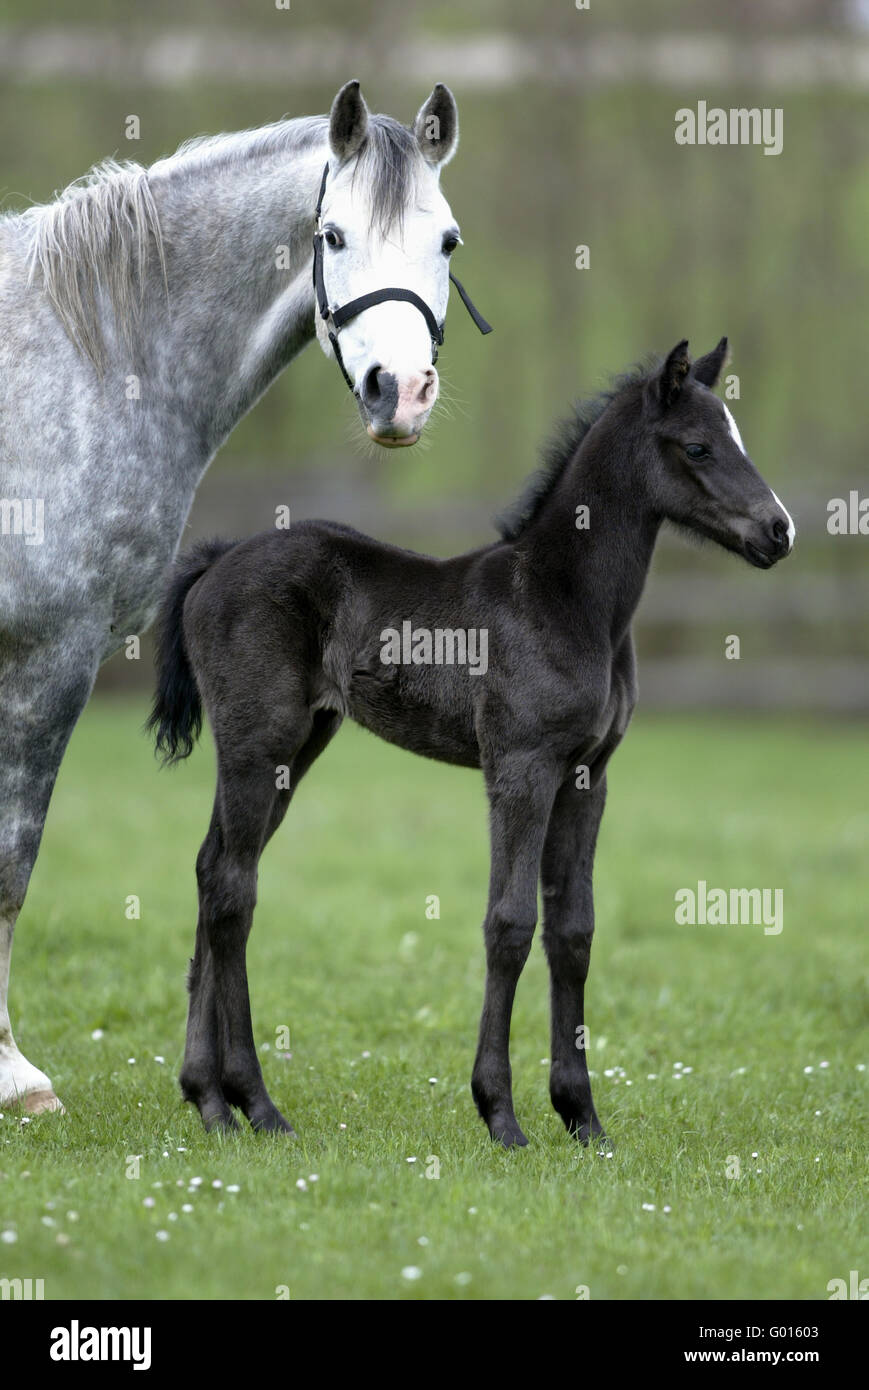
379, 999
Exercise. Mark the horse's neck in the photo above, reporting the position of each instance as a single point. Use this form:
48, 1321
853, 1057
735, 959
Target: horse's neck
595, 561
240, 302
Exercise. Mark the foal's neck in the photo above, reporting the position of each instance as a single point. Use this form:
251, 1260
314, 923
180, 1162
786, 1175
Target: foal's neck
591, 564
237, 230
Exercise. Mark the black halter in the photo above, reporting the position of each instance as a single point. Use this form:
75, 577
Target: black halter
341, 314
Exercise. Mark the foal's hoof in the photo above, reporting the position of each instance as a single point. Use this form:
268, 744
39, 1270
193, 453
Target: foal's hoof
219, 1120
40, 1103
589, 1134
272, 1123
508, 1133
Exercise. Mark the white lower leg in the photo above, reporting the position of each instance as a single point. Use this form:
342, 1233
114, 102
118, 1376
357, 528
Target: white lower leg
20, 1081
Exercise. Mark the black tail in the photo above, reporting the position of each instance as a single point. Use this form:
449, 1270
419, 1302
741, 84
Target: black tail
177, 712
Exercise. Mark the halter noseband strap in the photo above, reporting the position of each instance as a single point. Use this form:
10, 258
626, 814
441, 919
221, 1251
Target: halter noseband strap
341, 314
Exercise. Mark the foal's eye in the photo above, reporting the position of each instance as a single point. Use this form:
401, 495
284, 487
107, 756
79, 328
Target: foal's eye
450, 243
333, 238
696, 451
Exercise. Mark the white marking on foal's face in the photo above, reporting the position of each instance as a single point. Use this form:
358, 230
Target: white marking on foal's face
737, 438
792, 530
734, 430
394, 336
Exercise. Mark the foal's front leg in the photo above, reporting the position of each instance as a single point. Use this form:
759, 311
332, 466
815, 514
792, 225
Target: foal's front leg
568, 927
521, 792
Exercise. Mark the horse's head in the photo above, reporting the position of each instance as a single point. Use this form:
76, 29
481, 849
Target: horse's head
385, 224
702, 475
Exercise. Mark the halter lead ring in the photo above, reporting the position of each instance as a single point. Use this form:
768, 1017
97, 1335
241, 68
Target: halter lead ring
340, 314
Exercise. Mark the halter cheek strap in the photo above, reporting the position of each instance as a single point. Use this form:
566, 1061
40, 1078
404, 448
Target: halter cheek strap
338, 315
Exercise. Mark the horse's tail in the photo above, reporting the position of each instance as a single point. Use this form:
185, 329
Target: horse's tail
177, 713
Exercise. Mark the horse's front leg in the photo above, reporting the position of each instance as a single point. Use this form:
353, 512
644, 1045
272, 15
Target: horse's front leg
43, 689
568, 927
521, 792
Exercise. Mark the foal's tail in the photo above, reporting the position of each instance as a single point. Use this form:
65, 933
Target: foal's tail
177, 712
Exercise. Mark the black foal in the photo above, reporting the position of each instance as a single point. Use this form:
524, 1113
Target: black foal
516, 658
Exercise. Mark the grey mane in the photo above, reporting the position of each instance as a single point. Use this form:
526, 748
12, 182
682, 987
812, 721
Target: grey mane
97, 236
559, 452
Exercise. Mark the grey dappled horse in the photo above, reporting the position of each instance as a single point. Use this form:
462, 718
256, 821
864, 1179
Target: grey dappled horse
143, 313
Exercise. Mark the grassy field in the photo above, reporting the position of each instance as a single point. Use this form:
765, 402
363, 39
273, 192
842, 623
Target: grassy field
708, 1043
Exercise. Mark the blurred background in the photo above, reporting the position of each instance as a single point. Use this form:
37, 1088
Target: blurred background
567, 121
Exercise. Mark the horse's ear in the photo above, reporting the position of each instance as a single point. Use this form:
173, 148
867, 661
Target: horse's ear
437, 126
708, 369
673, 374
348, 122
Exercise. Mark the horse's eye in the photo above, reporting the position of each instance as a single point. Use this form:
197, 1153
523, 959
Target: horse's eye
333, 238
450, 243
696, 451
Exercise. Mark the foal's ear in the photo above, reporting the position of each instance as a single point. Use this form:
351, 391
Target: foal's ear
708, 369
673, 374
437, 127
348, 122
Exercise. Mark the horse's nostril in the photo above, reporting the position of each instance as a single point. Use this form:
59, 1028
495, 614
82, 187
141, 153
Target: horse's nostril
371, 385
779, 530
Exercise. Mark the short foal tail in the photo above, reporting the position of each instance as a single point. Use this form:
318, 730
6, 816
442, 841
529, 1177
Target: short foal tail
177, 712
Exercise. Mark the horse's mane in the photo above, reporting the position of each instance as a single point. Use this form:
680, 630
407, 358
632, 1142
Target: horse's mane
99, 232
559, 451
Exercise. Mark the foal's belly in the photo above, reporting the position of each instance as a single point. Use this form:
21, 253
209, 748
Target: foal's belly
391, 705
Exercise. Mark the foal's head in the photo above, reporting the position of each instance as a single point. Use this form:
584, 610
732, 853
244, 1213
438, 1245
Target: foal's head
701, 475
385, 223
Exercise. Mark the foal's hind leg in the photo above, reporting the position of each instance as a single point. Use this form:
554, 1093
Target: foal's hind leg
568, 927
221, 1067
200, 1076
520, 795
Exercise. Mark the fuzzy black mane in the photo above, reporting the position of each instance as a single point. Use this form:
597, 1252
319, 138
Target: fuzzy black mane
559, 451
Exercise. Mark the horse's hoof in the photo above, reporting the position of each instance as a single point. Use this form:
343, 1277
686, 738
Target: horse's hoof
41, 1103
510, 1135
219, 1121
273, 1123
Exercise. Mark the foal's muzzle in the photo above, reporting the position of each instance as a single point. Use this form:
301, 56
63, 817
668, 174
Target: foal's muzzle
769, 543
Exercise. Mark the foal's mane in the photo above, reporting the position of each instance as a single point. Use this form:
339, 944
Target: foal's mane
100, 232
559, 452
